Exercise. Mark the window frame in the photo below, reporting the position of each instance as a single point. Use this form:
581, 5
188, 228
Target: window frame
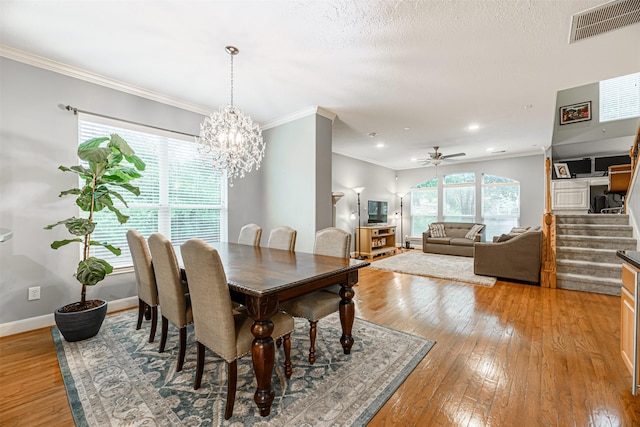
168, 144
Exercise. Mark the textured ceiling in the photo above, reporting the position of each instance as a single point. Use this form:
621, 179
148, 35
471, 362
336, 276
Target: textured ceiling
432, 66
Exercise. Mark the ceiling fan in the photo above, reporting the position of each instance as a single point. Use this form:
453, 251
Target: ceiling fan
437, 157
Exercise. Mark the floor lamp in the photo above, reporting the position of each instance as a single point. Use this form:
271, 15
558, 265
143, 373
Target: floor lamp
358, 190
401, 195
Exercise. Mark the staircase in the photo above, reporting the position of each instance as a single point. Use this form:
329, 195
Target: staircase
586, 248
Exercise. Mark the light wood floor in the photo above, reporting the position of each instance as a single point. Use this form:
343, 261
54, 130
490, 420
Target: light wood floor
510, 355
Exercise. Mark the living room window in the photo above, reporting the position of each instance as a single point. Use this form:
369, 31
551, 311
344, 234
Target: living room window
500, 204
180, 194
459, 194
424, 206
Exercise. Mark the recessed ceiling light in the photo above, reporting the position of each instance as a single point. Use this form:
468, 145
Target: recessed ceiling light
414, 159
407, 128
379, 145
473, 126
490, 149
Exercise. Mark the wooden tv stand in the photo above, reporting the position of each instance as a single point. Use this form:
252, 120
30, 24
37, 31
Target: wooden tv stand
375, 240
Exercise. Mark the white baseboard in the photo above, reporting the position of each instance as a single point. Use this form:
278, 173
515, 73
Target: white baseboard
47, 320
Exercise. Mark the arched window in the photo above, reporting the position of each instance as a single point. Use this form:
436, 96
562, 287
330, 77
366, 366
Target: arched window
500, 204
459, 194
424, 206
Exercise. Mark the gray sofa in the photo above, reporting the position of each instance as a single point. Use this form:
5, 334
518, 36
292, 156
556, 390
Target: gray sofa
454, 243
518, 256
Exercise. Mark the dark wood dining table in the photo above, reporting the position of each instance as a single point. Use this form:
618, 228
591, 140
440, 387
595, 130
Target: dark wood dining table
260, 278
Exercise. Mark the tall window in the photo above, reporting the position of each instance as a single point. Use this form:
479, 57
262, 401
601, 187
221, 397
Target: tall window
180, 194
459, 193
500, 204
424, 206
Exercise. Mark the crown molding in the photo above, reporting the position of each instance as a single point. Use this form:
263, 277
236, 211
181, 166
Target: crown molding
77, 73
300, 114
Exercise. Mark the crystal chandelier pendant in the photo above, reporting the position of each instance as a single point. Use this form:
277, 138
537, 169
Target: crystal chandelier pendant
231, 138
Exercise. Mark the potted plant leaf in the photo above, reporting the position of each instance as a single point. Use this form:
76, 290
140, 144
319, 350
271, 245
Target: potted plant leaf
109, 166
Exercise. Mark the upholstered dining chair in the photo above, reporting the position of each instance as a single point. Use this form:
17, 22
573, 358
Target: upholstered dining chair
330, 241
175, 304
145, 280
283, 237
250, 234
217, 326
334, 242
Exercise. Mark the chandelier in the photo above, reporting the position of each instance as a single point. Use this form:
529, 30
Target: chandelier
231, 138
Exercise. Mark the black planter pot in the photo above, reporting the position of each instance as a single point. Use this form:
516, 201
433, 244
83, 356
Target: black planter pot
78, 326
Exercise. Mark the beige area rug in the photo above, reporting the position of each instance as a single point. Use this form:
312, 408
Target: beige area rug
416, 262
118, 379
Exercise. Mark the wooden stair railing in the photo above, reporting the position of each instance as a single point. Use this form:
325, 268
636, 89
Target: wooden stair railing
634, 152
548, 272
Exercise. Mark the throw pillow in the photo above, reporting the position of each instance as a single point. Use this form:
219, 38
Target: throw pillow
504, 238
471, 234
519, 229
437, 230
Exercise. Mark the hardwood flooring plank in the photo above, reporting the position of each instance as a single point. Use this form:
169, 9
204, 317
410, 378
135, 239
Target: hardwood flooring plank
511, 354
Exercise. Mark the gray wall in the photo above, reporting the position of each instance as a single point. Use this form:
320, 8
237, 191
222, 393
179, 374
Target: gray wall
35, 138
293, 185
589, 138
379, 184
383, 184
529, 171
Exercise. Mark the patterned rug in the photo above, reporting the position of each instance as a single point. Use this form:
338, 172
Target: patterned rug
117, 378
416, 262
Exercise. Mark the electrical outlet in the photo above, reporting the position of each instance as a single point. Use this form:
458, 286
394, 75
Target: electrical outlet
34, 293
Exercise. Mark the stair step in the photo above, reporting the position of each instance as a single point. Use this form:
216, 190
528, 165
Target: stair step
588, 268
579, 282
597, 242
613, 219
595, 230
587, 254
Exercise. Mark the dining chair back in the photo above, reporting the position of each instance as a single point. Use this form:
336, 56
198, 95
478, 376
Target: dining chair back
283, 237
250, 234
217, 326
175, 304
332, 241
145, 280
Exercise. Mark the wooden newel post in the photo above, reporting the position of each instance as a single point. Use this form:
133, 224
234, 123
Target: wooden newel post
548, 273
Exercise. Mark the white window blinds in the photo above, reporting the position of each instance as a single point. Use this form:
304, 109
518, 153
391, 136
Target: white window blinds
180, 194
620, 98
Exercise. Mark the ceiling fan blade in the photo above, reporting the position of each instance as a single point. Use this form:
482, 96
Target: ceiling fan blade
448, 156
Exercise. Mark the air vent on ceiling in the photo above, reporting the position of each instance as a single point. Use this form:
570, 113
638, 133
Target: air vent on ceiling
605, 18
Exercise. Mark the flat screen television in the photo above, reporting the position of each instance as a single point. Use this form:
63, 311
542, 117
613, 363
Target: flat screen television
377, 212
603, 163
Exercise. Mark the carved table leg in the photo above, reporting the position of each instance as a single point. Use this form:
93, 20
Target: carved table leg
263, 349
347, 311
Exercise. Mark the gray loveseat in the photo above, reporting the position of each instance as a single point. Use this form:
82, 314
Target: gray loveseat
455, 242
518, 258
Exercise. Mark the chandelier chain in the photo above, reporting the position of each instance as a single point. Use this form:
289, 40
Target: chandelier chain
230, 138
231, 80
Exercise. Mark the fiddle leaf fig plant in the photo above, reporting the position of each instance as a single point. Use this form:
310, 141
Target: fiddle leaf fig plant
110, 166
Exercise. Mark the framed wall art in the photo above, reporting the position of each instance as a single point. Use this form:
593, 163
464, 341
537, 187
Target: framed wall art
575, 113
